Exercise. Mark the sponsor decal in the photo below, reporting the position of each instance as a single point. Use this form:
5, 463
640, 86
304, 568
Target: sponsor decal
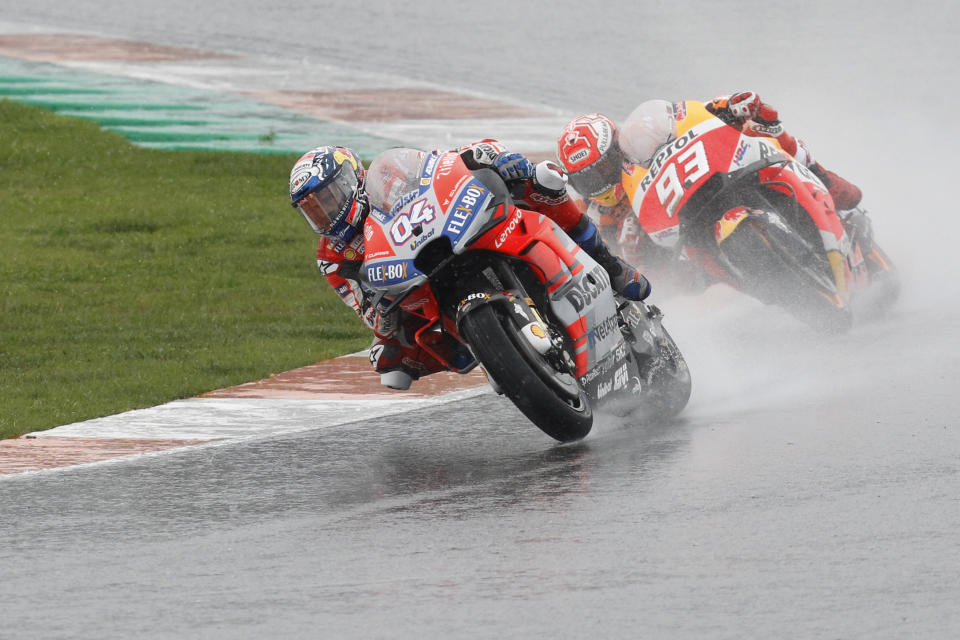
415, 304
663, 154
326, 268
475, 296
606, 328
388, 272
379, 254
465, 206
343, 290
767, 150
299, 180
350, 254
804, 173
538, 331
602, 368
619, 381
548, 200
604, 388
403, 201
587, 288
422, 240
428, 166
445, 167
741, 151
679, 110
416, 365
342, 157
579, 155
485, 153
665, 234
514, 221
375, 352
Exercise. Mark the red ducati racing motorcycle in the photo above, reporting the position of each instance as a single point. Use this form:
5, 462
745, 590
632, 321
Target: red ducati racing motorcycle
447, 245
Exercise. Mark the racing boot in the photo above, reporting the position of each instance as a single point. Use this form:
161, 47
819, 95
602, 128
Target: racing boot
399, 364
625, 279
846, 195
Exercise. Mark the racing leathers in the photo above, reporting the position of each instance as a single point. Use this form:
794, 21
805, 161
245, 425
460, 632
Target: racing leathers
394, 354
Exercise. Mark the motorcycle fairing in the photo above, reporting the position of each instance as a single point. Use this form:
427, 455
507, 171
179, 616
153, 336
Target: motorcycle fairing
574, 282
449, 202
678, 169
706, 146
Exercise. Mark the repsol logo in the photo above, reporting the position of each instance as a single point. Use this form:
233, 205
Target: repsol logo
664, 154
588, 288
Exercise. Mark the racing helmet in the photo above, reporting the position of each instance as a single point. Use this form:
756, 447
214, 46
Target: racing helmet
589, 152
327, 187
650, 126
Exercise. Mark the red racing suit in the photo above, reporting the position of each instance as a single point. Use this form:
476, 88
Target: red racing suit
393, 347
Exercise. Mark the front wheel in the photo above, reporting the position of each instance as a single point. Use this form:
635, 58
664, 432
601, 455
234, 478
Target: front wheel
665, 382
551, 399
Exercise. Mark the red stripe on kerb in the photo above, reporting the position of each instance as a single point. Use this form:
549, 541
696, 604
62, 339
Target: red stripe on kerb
36, 454
379, 105
71, 47
350, 377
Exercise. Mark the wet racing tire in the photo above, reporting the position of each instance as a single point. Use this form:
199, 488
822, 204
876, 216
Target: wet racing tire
551, 399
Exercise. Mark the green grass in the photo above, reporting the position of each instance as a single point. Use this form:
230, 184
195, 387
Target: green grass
131, 277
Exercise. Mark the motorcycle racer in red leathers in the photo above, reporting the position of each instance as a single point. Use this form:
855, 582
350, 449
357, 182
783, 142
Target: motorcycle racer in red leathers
327, 186
592, 148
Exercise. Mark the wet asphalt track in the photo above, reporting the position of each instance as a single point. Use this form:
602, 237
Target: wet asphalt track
772, 512
809, 491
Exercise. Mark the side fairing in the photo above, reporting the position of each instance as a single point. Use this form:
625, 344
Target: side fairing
449, 202
678, 169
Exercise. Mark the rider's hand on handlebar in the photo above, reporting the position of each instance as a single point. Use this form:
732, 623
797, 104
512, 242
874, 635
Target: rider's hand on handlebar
747, 105
744, 105
513, 166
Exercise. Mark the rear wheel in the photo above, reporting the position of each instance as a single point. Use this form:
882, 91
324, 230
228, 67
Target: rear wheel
550, 398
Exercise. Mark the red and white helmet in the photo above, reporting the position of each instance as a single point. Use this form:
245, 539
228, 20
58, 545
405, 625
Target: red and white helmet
589, 152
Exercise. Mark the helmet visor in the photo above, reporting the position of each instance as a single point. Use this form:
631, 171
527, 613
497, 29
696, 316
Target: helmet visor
323, 207
600, 176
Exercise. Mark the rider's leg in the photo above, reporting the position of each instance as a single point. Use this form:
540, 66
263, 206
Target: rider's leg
845, 194
626, 280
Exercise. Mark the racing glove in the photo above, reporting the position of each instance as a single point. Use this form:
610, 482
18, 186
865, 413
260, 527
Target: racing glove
746, 105
488, 154
513, 167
